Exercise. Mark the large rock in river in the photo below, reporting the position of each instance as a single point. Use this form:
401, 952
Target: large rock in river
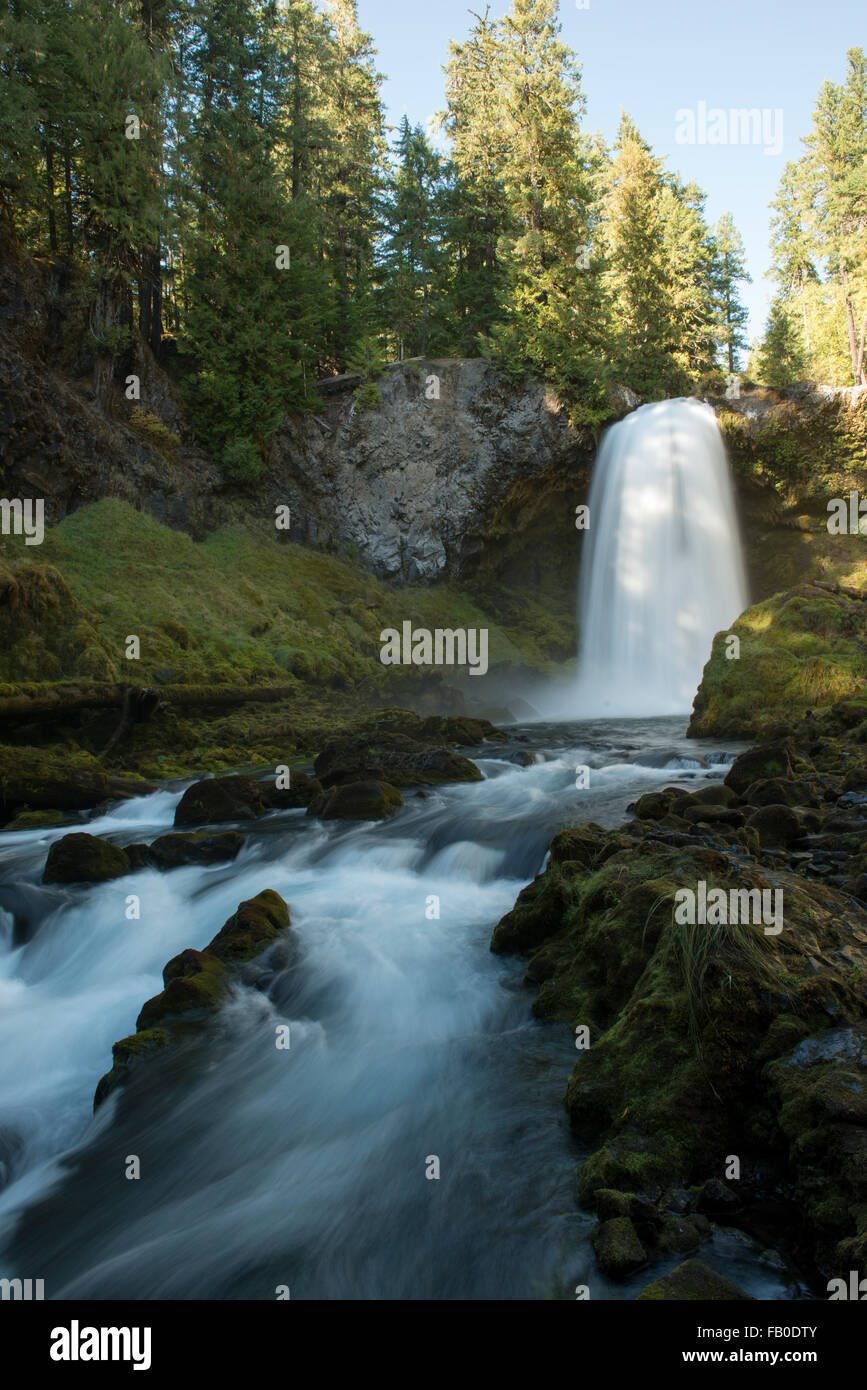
220, 799
196, 984
81, 858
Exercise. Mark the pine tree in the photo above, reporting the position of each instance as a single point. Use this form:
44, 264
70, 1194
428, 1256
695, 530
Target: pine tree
552, 311
350, 177
25, 29
112, 143
250, 331
834, 169
478, 216
688, 250
780, 359
639, 277
413, 259
728, 272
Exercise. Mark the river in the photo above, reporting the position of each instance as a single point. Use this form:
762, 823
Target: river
305, 1169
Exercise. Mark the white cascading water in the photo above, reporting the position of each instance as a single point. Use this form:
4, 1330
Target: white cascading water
662, 570
306, 1167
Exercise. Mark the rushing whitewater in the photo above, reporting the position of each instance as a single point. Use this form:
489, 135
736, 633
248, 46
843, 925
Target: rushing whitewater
305, 1168
662, 570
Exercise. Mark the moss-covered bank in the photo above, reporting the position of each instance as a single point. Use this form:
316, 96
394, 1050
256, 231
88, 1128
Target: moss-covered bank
722, 1066
253, 649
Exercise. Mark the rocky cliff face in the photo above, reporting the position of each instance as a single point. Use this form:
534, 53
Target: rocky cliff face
414, 486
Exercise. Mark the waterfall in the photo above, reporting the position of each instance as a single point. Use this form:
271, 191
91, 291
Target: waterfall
662, 570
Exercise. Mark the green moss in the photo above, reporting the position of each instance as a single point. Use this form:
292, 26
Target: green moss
35, 820
241, 609
803, 650
81, 858
196, 983
692, 1281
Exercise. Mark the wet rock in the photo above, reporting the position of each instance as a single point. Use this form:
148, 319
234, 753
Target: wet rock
655, 805
711, 794
364, 800
538, 914
717, 1199
220, 799
677, 1235
618, 1249
677, 1200
583, 845
82, 858
611, 1203
767, 761
777, 791
298, 796
173, 851
39, 820
693, 1281
393, 758
714, 815
777, 826
197, 983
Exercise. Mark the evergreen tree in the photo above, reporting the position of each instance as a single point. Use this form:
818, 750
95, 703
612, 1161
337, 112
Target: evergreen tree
728, 272
251, 326
639, 277
350, 180
834, 169
688, 250
552, 313
413, 260
478, 215
780, 360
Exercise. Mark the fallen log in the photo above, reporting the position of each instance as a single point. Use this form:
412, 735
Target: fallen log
138, 703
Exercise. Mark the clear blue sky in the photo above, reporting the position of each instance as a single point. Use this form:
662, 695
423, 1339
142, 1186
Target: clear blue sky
654, 59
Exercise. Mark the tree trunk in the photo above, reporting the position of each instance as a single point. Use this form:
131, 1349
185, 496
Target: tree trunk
150, 298
860, 374
850, 324
67, 201
49, 180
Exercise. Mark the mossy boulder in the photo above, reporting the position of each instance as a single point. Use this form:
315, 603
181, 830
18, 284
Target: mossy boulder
821, 1089
125, 1054
677, 1235
38, 820
618, 1249
220, 799
777, 791
583, 846
698, 814
656, 805
197, 983
295, 797
777, 826
37, 779
365, 800
81, 858
693, 1281
539, 913
801, 652
460, 730
775, 760
194, 847
393, 758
